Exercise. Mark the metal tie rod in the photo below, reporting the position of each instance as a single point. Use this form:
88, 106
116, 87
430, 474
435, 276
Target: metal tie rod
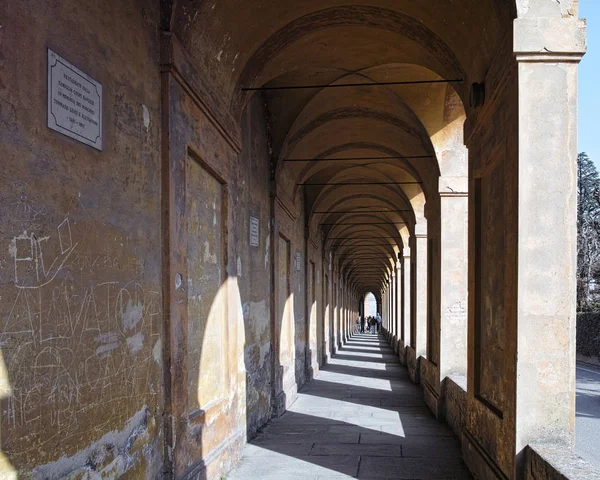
360, 211
344, 159
381, 223
347, 244
345, 85
358, 183
377, 237
364, 255
339, 244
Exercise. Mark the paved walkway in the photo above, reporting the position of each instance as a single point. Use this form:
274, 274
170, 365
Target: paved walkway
587, 428
360, 418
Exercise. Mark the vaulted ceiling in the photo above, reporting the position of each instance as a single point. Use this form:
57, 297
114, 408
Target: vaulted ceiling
365, 159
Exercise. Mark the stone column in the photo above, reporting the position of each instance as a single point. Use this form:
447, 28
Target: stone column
386, 315
405, 327
387, 304
398, 306
383, 303
447, 334
336, 314
454, 204
393, 309
547, 51
344, 315
341, 339
347, 314
418, 343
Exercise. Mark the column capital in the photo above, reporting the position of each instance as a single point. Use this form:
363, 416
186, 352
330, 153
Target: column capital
453, 186
420, 228
549, 39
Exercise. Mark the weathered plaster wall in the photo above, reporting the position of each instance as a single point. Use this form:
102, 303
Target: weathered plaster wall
206, 437
491, 137
316, 319
253, 264
80, 269
290, 364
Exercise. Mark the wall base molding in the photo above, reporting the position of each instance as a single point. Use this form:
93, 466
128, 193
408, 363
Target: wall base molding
477, 459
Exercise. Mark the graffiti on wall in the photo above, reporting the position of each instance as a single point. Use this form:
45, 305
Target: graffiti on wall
79, 329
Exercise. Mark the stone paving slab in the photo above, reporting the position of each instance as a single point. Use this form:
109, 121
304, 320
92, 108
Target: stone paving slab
336, 438
361, 417
374, 450
412, 468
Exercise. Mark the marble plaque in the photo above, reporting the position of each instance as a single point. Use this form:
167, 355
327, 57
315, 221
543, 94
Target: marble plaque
254, 232
74, 102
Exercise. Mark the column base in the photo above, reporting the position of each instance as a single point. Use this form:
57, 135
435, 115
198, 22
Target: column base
479, 462
412, 363
402, 353
222, 459
454, 399
284, 399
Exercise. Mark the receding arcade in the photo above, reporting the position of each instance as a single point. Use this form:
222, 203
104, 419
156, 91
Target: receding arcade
266, 165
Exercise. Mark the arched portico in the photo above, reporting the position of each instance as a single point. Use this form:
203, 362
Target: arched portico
265, 166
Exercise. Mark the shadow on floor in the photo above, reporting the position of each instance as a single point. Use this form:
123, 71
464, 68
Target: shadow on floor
360, 418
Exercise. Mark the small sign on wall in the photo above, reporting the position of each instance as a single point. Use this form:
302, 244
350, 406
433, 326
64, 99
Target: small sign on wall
254, 232
298, 261
74, 102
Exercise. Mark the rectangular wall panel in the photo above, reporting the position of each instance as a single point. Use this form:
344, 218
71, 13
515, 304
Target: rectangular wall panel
284, 304
489, 301
206, 297
313, 310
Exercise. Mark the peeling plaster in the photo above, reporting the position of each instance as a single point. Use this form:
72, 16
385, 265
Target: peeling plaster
132, 316
146, 116
136, 342
113, 453
157, 352
267, 247
209, 257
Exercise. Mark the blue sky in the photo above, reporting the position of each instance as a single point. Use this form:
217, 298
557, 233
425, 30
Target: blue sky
589, 76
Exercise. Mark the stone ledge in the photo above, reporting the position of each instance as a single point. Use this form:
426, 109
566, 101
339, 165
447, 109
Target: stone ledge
556, 462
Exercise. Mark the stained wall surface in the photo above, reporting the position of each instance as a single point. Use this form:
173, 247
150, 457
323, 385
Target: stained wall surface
81, 308
163, 298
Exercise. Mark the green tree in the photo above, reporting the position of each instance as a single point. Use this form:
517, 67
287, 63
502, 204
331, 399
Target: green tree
588, 229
